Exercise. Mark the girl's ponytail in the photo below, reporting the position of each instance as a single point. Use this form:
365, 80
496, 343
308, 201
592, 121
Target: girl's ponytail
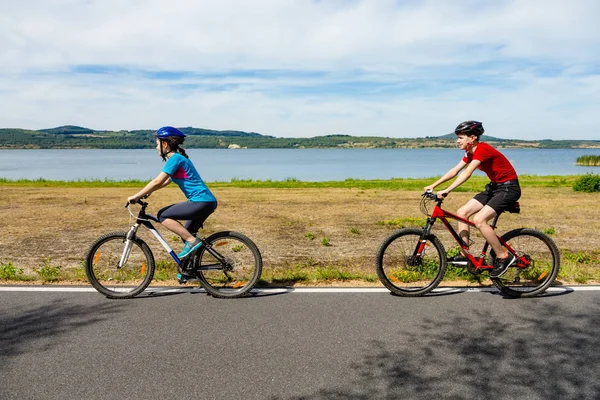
182, 151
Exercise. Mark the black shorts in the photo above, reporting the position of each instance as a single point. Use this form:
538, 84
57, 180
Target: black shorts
500, 196
194, 213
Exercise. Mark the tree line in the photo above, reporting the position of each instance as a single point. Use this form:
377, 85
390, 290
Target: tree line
77, 137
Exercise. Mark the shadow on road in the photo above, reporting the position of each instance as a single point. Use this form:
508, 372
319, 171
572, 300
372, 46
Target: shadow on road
26, 330
550, 352
155, 292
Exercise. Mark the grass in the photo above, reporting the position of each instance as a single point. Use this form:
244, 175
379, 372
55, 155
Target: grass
580, 266
313, 272
48, 272
475, 183
588, 160
289, 225
9, 272
404, 222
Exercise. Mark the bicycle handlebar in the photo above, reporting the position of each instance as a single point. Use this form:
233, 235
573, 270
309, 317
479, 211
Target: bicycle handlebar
138, 201
430, 195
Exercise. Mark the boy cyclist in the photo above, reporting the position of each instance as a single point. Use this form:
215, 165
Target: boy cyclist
500, 194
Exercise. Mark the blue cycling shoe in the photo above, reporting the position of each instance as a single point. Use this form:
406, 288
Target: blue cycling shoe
189, 248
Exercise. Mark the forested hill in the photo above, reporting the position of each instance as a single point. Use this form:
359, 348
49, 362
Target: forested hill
78, 137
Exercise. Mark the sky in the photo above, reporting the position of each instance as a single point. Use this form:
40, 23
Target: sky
528, 69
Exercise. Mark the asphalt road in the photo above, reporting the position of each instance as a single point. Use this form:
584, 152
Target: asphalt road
187, 345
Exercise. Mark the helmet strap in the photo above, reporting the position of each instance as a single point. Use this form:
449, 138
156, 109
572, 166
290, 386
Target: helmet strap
162, 153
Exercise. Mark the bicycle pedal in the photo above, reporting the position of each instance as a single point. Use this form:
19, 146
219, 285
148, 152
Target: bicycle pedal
186, 278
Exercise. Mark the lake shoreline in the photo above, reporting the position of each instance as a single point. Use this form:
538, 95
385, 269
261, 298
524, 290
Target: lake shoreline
306, 165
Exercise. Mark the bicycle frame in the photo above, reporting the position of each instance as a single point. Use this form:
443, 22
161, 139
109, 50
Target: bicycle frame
144, 219
444, 216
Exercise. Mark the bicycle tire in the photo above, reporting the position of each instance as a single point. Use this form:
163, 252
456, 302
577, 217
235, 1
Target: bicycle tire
119, 283
400, 272
243, 265
543, 268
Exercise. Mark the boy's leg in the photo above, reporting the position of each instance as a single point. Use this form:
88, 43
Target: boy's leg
481, 222
472, 207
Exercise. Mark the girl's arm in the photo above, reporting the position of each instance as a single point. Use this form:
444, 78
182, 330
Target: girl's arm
166, 183
159, 182
447, 176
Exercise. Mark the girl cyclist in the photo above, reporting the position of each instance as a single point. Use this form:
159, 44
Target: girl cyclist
179, 169
500, 194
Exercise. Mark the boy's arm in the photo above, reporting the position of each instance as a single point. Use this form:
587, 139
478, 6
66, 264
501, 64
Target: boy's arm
447, 176
462, 178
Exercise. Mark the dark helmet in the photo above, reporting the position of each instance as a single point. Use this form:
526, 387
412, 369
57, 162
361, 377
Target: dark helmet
469, 128
169, 131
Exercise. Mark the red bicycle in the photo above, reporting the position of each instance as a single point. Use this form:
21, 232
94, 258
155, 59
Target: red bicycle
412, 261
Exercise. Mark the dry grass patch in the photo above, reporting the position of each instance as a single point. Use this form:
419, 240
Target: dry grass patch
57, 225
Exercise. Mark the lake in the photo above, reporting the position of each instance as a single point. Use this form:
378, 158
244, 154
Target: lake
275, 164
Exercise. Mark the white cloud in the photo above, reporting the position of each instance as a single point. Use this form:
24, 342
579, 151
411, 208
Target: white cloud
304, 68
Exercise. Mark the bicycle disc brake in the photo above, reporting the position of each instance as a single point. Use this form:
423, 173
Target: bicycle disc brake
414, 261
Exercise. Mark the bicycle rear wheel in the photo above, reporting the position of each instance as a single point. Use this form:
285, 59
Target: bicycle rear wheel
537, 265
229, 265
401, 271
102, 266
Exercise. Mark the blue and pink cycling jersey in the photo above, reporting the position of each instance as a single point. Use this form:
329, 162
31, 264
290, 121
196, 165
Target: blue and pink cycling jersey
184, 174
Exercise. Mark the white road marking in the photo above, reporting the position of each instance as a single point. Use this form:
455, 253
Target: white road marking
171, 289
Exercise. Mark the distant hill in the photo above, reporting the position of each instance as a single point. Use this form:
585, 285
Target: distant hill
78, 130
69, 136
452, 136
67, 130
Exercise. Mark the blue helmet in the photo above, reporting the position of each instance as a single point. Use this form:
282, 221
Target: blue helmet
169, 131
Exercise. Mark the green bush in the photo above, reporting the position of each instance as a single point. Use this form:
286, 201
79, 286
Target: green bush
588, 183
9, 271
48, 272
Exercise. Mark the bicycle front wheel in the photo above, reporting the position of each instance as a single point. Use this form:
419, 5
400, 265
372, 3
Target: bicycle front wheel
128, 280
536, 267
229, 265
402, 271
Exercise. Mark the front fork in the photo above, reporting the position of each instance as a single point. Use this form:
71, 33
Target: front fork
422, 241
128, 243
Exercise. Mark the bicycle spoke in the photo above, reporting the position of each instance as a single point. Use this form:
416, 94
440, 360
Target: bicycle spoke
104, 273
239, 265
403, 271
536, 267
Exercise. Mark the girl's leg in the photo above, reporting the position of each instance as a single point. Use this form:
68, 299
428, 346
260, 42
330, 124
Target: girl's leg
188, 211
175, 227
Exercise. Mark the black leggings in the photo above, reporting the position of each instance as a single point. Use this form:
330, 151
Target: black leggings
193, 213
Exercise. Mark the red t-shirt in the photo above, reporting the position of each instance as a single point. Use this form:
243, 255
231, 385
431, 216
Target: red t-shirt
493, 163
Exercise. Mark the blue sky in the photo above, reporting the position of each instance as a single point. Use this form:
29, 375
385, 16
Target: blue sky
301, 68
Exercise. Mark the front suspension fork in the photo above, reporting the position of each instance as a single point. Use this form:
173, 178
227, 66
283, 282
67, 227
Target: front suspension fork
128, 244
423, 239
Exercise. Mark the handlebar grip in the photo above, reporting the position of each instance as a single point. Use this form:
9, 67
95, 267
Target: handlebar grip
140, 202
